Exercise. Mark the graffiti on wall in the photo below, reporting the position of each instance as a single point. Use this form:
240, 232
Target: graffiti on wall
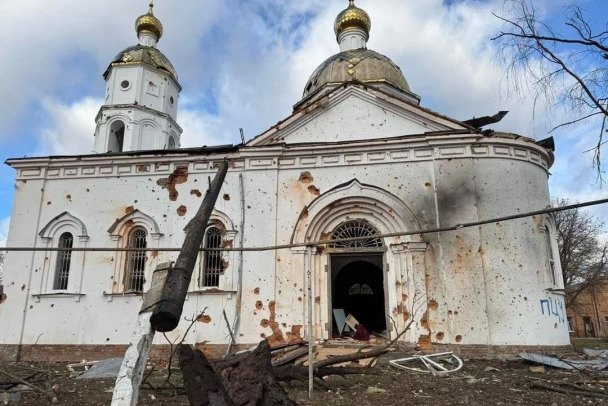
553, 307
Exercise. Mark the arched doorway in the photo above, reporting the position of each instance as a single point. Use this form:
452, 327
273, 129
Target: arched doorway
386, 213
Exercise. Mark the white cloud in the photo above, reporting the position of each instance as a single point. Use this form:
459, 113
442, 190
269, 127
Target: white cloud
4, 223
71, 127
244, 64
200, 129
255, 62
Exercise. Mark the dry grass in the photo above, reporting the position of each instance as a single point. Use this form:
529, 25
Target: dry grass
594, 343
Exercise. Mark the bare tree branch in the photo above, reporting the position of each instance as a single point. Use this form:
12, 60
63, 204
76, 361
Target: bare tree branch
567, 66
575, 121
583, 258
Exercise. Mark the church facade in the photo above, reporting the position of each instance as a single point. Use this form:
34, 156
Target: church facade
358, 158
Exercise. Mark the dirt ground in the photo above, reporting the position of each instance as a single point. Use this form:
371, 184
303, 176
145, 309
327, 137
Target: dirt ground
478, 383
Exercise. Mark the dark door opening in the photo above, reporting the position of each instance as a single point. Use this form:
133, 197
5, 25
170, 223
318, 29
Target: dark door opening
588, 325
358, 288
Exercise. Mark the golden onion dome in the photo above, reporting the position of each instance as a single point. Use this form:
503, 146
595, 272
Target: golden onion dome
352, 17
140, 54
363, 65
149, 23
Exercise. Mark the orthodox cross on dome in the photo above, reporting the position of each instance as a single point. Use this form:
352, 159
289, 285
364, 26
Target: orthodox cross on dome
351, 3
152, 6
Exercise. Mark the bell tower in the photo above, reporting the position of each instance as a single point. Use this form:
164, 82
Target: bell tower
142, 90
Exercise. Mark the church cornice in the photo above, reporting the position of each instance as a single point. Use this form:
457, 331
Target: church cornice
144, 109
410, 149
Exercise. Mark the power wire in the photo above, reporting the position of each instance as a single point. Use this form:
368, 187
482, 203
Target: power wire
324, 242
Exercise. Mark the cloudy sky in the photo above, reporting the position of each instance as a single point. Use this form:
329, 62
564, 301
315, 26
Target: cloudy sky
244, 64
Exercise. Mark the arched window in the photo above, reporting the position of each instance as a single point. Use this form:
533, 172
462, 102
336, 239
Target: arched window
171, 143
355, 229
117, 136
64, 258
550, 256
212, 265
136, 261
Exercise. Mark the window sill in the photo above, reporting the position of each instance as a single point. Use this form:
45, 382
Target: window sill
556, 291
211, 291
111, 296
75, 295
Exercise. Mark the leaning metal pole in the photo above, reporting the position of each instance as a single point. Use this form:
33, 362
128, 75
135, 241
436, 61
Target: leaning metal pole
311, 336
168, 311
130, 376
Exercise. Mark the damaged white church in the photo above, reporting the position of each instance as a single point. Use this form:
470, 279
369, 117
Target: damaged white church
359, 157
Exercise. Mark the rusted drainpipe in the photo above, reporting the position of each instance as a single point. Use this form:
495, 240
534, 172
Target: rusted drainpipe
239, 284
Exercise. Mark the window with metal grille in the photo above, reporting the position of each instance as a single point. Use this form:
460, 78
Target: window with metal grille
136, 261
354, 229
62, 268
212, 264
550, 257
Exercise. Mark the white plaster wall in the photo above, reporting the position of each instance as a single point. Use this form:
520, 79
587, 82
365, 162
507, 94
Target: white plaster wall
171, 90
494, 276
356, 115
139, 91
474, 274
405, 180
18, 266
149, 136
92, 318
115, 94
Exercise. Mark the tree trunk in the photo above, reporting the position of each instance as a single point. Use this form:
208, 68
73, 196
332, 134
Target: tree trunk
203, 386
250, 381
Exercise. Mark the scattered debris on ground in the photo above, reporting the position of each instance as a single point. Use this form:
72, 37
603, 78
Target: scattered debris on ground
478, 382
107, 368
596, 364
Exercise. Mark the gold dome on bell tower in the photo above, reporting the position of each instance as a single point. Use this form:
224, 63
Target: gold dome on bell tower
352, 17
148, 23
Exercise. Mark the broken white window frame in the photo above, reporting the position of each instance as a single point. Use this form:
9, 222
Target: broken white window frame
431, 363
550, 256
551, 248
